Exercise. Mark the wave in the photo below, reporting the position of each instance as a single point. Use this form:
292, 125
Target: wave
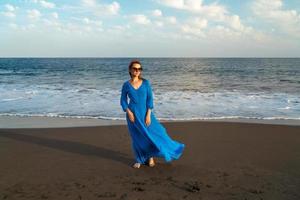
159, 118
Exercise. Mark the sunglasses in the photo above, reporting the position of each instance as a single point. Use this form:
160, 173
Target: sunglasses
137, 69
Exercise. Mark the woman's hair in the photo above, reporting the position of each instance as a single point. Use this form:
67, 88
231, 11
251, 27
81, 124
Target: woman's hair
130, 66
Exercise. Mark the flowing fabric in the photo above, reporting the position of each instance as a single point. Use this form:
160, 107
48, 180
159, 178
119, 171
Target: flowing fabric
147, 141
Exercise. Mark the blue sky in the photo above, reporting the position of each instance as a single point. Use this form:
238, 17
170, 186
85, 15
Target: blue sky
149, 28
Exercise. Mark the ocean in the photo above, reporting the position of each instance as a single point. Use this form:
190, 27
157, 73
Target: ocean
183, 88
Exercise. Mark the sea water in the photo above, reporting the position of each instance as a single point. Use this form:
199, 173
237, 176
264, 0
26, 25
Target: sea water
183, 88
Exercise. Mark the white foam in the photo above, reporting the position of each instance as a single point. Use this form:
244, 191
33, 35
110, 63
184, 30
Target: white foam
168, 105
159, 118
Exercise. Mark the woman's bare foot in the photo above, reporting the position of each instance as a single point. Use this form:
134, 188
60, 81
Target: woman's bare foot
151, 162
136, 165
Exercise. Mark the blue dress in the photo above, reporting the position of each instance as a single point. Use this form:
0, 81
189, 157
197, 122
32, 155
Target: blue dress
147, 141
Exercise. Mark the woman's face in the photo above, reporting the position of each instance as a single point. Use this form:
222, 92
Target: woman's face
135, 69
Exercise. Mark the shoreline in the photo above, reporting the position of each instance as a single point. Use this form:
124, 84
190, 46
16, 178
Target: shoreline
11, 122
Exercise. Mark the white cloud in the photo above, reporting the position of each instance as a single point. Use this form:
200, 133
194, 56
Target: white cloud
171, 20
89, 2
44, 3
47, 4
159, 23
214, 10
9, 14
54, 15
195, 26
52, 23
157, 13
100, 9
33, 14
27, 27
273, 12
199, 23
140, 19
234, 22
121, 27
13, 25
10, 11
112, 8
222, 20
10, 8
82, 26
173, 3
224, 33
88, 21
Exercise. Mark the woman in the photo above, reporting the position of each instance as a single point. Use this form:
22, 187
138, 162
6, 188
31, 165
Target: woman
149, 137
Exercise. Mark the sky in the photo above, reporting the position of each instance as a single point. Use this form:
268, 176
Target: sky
150, 28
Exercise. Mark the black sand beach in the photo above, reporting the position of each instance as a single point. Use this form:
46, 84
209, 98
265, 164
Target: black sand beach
222, 160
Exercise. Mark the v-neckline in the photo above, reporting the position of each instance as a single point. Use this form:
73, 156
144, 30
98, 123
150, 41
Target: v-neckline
138, 87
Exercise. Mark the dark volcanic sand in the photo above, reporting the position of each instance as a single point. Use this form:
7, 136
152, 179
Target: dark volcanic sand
222, 160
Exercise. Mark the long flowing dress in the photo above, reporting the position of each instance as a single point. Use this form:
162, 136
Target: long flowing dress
152, 140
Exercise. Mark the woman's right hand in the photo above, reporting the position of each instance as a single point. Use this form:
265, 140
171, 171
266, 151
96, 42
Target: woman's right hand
130, 115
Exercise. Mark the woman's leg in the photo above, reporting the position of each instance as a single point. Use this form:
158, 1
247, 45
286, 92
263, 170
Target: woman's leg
151, 162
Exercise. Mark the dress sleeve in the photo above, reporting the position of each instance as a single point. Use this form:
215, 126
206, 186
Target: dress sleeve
149, 102
123, 99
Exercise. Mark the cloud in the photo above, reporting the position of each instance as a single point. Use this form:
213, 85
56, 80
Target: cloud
171, 19
78, 25
54, 15
140, 19
33, 14
112, 8
89, 2
157, 13
45, 4
9, 14
27, 27
100, 9
195, 26
272, 12
88, 21
159, 23
10, 8
219, 18
234, 22
179, 4
13, 25
10, 11
213, 11
83, 27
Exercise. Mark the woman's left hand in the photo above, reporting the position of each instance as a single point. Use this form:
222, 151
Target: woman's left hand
148, 120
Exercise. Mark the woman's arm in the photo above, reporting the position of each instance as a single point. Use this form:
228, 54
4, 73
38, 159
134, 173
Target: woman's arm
149, 102
149, 111
123, 99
